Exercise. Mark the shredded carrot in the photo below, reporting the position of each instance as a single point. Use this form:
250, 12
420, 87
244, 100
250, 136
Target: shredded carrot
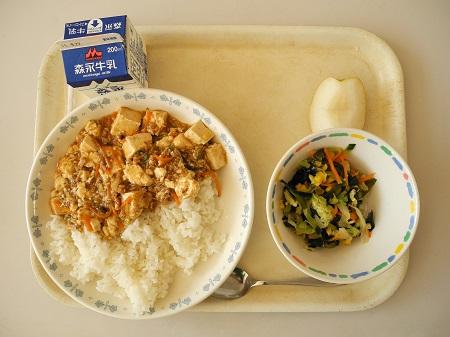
344, 166
114, 154
354, 172
103, 216
342, 154
353, 216
127, 201
327, 184
86, 220
366, 177
163, 160
334, 155
106, 149
216, 181
311, 153
176, 198
117, 157
109, 194
96, 169
332, 168
103, 151
334, 211
146, 120
121, 225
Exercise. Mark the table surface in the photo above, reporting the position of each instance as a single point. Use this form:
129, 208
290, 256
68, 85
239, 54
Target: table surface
419, 33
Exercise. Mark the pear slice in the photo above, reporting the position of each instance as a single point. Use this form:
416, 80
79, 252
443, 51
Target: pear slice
338, 104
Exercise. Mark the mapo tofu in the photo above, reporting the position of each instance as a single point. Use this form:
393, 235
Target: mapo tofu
126, 163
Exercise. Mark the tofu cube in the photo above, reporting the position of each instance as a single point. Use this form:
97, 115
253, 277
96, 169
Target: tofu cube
160, 173
133, 195
127, 122
136, 175
216, 156
164, 142
199, 133
93, 128
186, 187
96, 225
160, 118
66, 167
169, 184
88, 144
135, 143
181, 142
59, 182
133, 204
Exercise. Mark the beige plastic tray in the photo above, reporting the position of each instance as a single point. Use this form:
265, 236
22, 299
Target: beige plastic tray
260, 81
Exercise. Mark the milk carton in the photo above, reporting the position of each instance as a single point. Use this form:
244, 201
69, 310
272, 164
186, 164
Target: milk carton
103, 55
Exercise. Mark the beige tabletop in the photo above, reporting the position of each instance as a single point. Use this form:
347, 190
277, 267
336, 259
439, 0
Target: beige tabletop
419, 33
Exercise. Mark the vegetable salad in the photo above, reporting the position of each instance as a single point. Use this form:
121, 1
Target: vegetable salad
324, 200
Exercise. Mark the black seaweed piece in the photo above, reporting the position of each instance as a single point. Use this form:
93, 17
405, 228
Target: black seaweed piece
339, 169
369, 183
321, 241
350, 147
296, 193
331, 244
337, 190
319, 155
328, 240
325, 235
335, 220
288, 225
315, 243
328, 195
302, 176
370, 219
352, 180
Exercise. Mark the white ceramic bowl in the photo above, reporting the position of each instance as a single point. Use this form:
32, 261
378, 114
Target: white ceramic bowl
236, 202
394, 199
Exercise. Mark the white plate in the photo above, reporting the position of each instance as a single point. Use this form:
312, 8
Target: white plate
236, 201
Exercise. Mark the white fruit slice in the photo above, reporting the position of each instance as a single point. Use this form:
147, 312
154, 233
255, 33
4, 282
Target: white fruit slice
338, 104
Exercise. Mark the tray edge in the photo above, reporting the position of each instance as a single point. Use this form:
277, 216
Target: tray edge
206, 307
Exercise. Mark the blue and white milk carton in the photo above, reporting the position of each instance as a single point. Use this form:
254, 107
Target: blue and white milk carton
103, 55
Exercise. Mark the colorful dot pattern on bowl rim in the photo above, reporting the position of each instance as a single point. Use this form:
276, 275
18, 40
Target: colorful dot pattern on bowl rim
412, 208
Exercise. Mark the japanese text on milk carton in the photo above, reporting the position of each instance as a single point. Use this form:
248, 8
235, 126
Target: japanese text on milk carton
104, 55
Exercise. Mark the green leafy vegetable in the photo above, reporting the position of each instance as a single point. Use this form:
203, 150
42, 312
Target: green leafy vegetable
322, 201
323, 210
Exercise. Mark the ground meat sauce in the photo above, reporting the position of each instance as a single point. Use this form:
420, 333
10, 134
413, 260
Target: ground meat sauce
129, 162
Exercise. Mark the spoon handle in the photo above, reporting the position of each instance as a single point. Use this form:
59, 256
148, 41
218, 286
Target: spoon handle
303, 282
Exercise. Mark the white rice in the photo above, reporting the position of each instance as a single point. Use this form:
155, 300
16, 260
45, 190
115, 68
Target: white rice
153, 248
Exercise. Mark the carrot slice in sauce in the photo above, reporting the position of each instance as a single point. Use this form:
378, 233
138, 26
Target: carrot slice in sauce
86, 220
216, 181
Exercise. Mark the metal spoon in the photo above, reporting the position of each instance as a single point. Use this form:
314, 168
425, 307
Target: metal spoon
240, 282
